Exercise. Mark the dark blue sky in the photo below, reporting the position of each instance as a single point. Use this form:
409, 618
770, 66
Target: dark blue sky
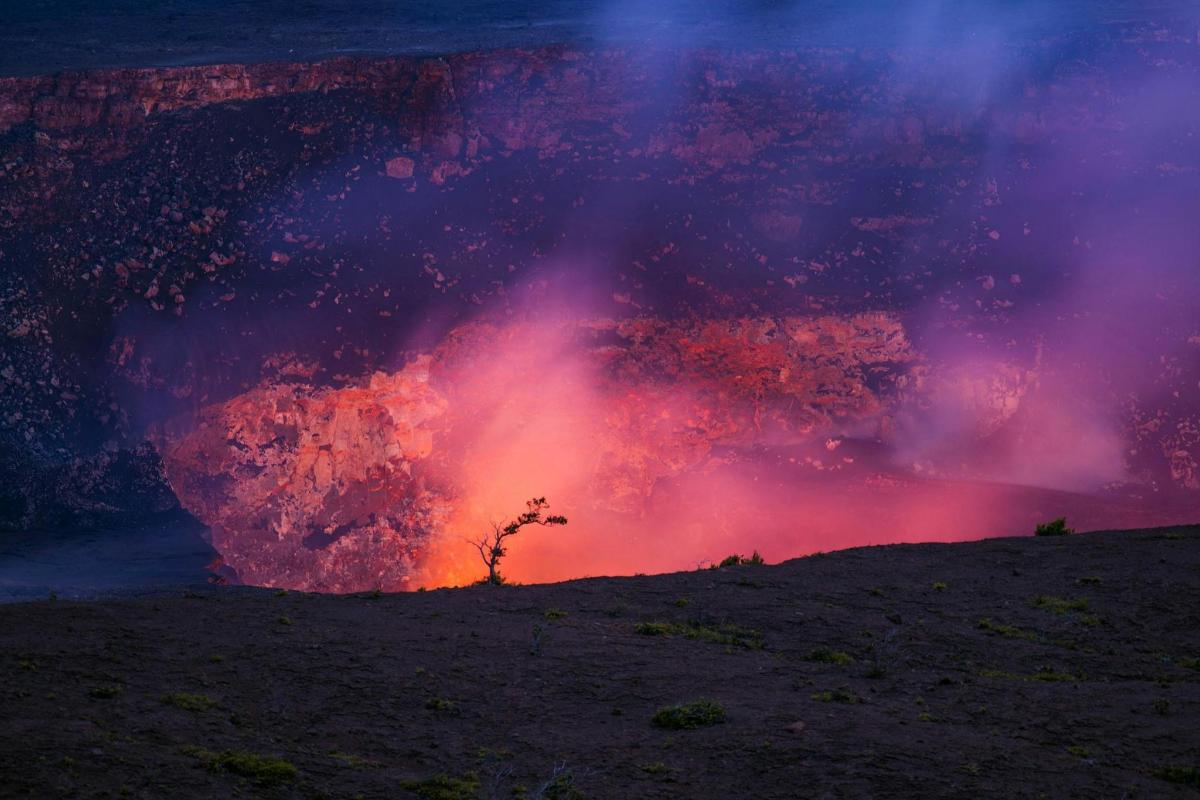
41, 36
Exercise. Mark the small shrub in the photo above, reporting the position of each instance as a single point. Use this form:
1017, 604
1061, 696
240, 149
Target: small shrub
444, 787
284, 620
681, 602
657, 768
736, 560
727, 634
940, 587
441, 705
263, 770
687, 716
1055, 527
824, 655
836, 696
554, 613
189, 702
1007, 631
104, 692
1058, 605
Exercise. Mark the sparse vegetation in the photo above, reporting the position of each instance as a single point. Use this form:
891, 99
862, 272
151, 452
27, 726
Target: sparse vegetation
1058, 605
189, 702
491, 546
687, 716
441, 705
836, 696
824, 655
444, 787
736, 560
1055, 527
1008, 631
263, 770
726, 634
104, 692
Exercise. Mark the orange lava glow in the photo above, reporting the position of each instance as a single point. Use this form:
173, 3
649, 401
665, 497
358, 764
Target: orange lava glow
667, 444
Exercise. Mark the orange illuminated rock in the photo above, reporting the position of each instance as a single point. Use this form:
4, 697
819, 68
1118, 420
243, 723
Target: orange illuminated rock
315, 488
341, 489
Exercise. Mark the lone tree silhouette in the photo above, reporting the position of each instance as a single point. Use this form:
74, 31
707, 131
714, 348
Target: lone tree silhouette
491, 546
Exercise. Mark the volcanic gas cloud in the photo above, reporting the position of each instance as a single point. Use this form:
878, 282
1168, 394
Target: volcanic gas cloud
670, 442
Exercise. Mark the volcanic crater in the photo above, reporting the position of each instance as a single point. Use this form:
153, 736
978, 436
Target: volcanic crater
348, 312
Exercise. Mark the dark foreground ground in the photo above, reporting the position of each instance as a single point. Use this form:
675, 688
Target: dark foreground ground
1010, 668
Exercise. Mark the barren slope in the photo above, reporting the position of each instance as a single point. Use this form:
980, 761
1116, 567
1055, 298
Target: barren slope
974, 689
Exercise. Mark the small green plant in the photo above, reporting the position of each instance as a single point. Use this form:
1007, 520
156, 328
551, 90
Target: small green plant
688, 716
189, 702
836, 696
284, 620
1079, 750
441, 705
1189, 663
1058, 605
1007, 631
940, 586
216, 658
263, 770
104, 692
444, 787
1055, 527
823, 655
554, 613
726, 634
657, 768
681, 602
